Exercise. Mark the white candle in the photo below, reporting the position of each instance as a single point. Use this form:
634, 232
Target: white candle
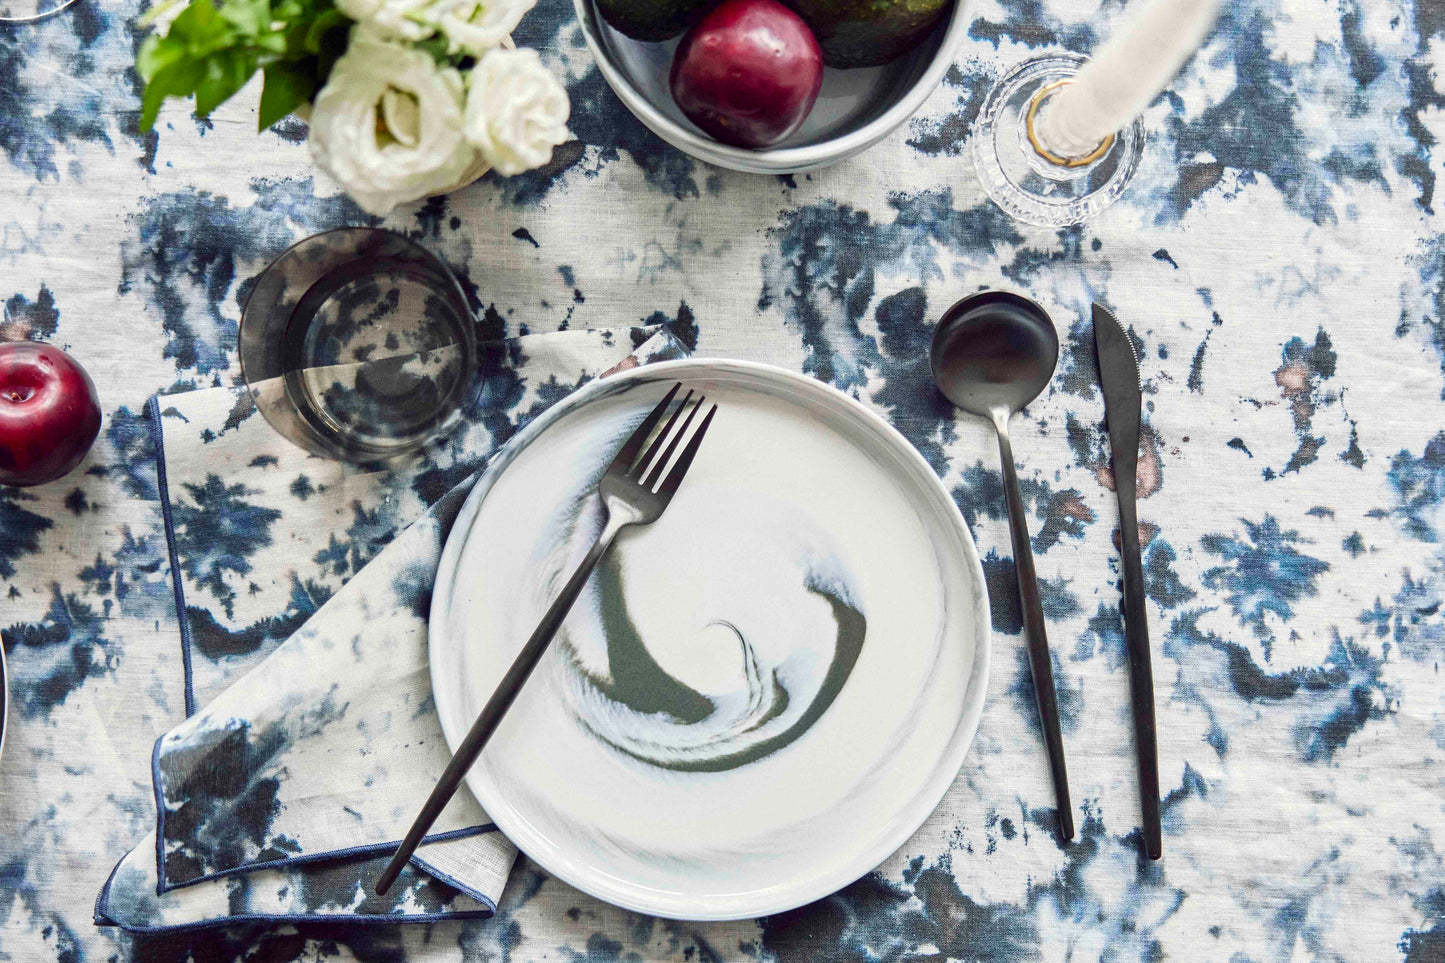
1128, 72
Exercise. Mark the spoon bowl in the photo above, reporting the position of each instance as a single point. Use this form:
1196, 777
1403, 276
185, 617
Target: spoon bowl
993, 350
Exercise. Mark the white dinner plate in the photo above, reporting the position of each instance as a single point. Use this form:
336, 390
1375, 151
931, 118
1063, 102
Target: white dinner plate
760, 696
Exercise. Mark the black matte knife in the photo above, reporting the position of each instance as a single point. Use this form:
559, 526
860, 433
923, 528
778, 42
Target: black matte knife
1119, 377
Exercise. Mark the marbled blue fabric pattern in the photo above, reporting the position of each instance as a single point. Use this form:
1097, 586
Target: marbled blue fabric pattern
1278, 259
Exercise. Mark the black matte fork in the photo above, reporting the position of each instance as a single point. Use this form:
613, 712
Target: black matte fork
631, 495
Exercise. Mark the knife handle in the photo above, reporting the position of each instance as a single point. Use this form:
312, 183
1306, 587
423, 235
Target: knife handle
1040, 664
1141, 672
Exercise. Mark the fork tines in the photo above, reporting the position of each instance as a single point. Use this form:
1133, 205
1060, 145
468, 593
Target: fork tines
636, 469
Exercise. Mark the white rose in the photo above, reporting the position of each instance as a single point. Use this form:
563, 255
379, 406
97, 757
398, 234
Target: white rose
476, 26
395, 19
388, 125
516, 110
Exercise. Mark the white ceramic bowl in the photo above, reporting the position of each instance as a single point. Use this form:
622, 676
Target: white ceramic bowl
855, 110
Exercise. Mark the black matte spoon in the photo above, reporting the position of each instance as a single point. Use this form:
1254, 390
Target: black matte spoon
992, 354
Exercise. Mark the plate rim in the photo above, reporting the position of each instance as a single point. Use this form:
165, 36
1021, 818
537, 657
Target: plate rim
4, 698
907, 821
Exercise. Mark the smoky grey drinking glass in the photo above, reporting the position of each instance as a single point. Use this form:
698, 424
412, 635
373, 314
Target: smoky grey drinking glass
358, 344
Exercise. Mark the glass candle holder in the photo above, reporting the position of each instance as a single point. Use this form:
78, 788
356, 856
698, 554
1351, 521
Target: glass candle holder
1031, 180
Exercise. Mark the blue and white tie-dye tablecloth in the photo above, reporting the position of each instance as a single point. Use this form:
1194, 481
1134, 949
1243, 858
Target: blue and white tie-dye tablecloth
1279, 255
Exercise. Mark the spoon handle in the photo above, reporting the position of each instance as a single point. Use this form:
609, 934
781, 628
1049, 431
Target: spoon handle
1040, 665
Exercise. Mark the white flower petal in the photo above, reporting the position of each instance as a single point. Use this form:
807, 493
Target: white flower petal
391, 19
516, 110
402, 116
423, 154
476, 26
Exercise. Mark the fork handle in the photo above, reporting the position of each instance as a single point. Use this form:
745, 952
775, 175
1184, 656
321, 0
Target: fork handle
501, 700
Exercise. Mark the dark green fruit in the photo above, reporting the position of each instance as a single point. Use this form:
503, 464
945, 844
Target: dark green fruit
866, 33
651, 20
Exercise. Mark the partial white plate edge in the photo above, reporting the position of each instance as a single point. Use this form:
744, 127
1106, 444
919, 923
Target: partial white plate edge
4, 699
594, 880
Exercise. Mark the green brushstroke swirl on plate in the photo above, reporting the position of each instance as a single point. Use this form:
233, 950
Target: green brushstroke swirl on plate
637, 683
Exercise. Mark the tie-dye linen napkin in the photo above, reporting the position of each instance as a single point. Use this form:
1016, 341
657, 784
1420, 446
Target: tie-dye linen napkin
303, 587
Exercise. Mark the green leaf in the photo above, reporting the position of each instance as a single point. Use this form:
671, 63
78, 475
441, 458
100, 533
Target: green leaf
198, 24
178, 79
333, 45
156, 53
215, 46
436, 48
287, 86
226, 73
250, 17
156, 11
316, 34
227, 40
273, 42
289, 10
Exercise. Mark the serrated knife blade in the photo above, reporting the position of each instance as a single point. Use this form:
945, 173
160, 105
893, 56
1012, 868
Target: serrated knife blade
1123, 402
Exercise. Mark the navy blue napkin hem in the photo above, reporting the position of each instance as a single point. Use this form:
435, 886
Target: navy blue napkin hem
158, 445
102, 915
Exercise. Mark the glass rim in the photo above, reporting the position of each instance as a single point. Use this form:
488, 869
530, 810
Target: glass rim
991, 132
35, 18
